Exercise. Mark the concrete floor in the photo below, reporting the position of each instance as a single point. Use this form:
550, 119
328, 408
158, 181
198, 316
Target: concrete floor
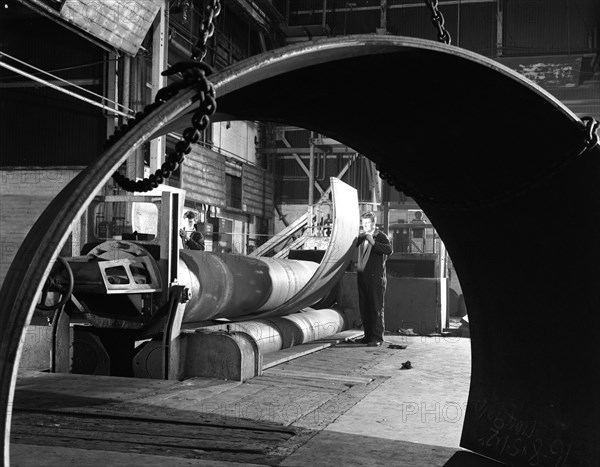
347, 404
414, 418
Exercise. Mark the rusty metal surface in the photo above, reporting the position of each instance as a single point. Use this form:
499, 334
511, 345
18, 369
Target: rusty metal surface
431, 116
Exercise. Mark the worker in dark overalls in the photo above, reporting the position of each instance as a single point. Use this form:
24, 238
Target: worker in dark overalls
373, 249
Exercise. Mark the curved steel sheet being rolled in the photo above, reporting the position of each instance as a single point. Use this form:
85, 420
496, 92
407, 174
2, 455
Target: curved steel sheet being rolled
337, 256
234, 286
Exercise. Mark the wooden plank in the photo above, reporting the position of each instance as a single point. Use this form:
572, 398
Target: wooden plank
285, 355
320, 376
150, 448
134, 431
204, 180
199, 418
292, 383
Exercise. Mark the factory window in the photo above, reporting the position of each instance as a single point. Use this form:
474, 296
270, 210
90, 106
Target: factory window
234, 191
233, 182
126, 221
144, 219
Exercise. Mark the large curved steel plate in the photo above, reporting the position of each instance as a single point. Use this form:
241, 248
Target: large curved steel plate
337, 256
491, 159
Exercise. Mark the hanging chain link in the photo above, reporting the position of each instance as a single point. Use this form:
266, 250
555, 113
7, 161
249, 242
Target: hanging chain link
207, 29
438, 20
591, 131
194, 73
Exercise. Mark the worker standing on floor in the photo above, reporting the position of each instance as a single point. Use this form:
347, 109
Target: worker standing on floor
373, 249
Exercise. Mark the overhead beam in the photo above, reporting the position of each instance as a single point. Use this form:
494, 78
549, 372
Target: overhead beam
259, 13
303, 166
306, 151
325, 196
352, 9
55, 82
64, 91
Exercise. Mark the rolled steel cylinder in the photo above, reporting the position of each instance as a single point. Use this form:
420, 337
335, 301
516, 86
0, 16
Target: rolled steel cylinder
229, 286
282, 332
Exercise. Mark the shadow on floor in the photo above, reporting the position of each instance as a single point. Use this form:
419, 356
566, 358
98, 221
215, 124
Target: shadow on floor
470, 459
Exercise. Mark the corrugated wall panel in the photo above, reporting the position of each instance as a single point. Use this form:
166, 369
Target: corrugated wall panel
257, 189
203, 177
204, 181
24, 194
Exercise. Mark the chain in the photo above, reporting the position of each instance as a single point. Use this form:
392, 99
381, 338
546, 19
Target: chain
591, 131
438, 21
194, 73
207, 29
590, 139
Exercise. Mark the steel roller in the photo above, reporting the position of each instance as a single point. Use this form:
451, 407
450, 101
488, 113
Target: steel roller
229, 286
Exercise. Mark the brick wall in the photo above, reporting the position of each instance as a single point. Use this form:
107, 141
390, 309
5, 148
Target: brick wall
24, 194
